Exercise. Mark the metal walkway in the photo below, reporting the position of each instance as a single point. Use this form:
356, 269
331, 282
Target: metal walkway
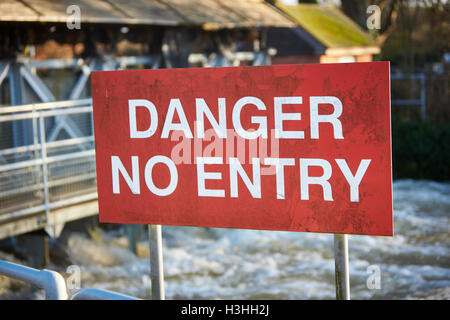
38, 180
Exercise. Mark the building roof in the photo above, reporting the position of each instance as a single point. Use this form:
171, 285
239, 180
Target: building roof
209, 14
332, 28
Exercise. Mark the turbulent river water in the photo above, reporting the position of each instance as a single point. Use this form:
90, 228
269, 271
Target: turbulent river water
203, 263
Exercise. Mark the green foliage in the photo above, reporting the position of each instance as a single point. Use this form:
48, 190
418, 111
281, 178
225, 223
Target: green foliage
420, 150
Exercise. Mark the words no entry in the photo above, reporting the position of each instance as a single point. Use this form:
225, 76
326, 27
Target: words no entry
235, 168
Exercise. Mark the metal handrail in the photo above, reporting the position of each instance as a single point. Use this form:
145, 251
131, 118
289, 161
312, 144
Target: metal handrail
45, 113
52, 144
54, 284
51, 281
46, 106
101, 294
62, 157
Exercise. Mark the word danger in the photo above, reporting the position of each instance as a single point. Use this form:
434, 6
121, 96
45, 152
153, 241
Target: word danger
252, 181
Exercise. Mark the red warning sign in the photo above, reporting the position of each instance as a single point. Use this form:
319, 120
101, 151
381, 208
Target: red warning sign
297, 148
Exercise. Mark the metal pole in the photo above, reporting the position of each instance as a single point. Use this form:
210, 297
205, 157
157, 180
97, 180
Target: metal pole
423, 110
341, 267
156, 262
133, 233
36, 143
44, 165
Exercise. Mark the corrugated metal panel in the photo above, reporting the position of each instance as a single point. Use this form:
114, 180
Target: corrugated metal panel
12, 10
147, 12
209, 14
216, 14
92, 11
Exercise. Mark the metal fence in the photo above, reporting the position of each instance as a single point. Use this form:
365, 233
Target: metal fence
415, 84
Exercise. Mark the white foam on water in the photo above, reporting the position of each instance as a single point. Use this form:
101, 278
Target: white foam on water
253, 264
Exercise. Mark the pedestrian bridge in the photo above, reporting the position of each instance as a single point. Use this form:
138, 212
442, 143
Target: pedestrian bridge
52, 180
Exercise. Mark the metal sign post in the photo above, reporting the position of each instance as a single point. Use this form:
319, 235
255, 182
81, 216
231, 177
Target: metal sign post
341, 267
156, 262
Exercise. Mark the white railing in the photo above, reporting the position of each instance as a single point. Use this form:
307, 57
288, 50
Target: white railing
54, 284
100, 294
48, 172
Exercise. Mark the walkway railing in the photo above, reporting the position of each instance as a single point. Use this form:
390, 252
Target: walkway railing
56, 169
54, 284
